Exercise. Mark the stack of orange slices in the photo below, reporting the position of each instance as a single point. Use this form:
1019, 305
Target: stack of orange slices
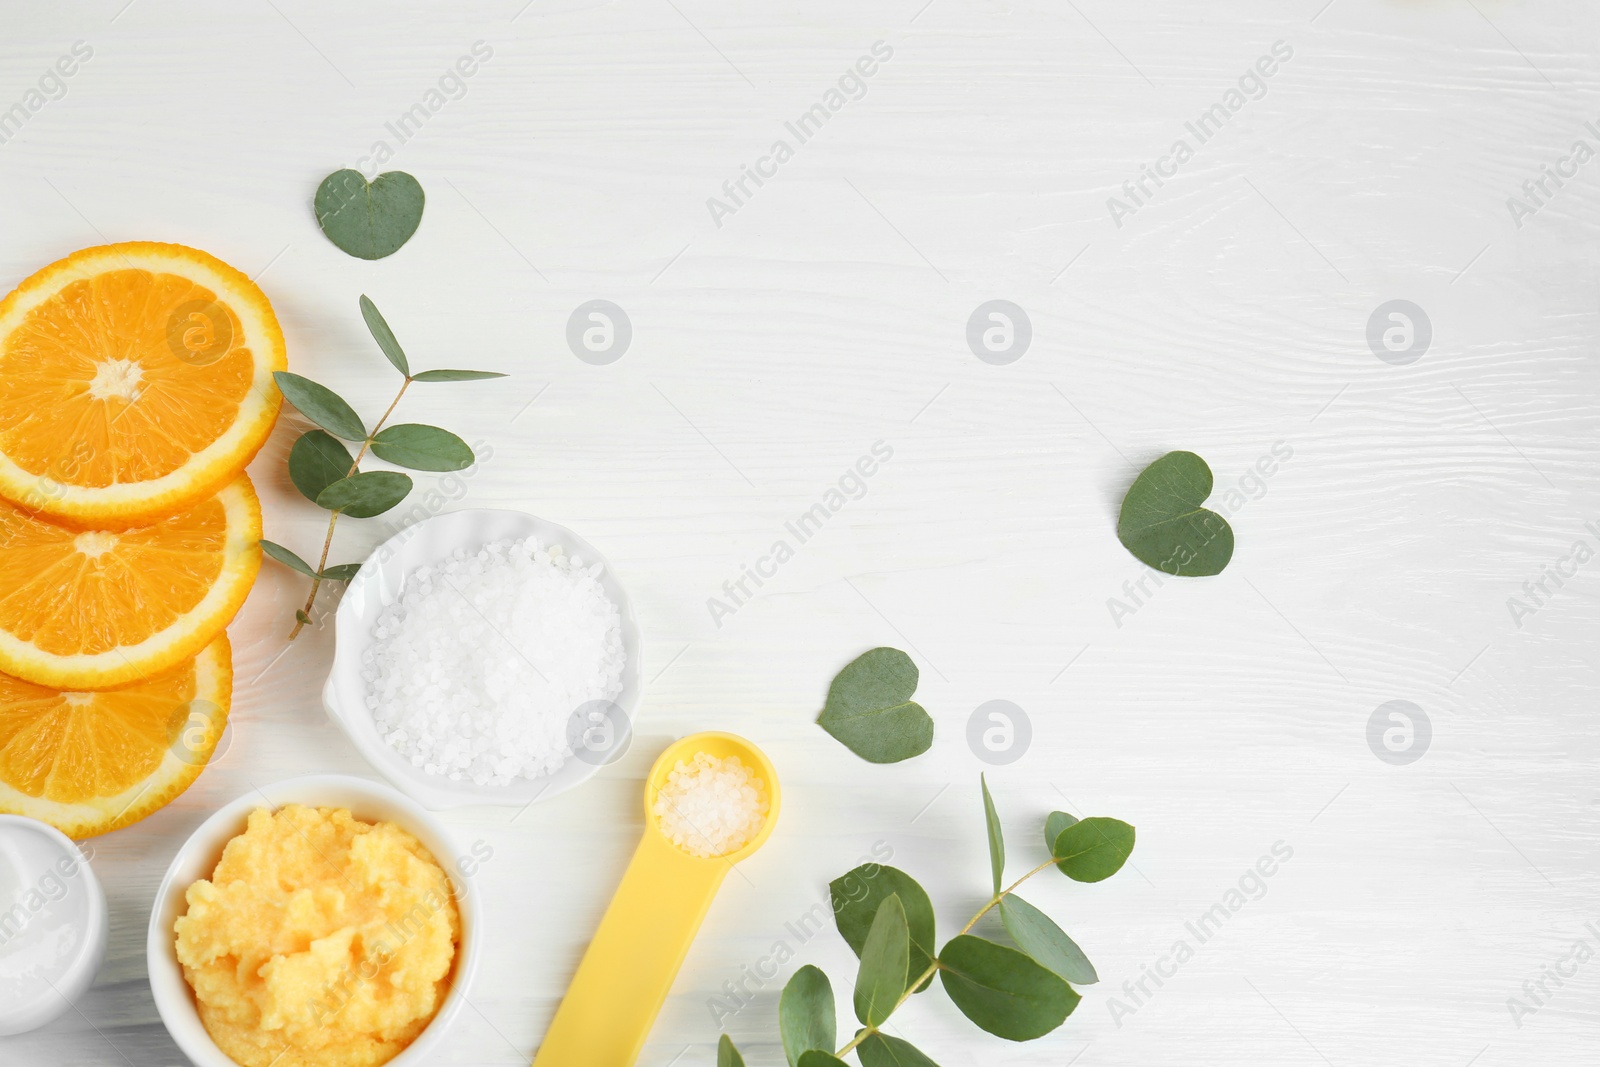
135, 384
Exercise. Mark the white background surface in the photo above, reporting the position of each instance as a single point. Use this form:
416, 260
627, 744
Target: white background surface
1225, 715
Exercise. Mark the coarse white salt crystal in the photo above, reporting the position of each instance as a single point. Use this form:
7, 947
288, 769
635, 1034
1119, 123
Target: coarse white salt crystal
711, 807
478, 668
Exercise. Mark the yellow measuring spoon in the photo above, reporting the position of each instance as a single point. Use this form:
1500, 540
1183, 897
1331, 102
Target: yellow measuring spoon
646, 932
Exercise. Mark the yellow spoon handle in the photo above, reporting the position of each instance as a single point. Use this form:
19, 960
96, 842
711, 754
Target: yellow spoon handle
629, 966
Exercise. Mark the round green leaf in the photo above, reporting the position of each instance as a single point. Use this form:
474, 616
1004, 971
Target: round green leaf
1003, 991
806, 1017
1163, 524
997, 842
455, 375
727, 1055
1049, 946
856, 897
317, 460
341, 572
1094, 849
1054, 823
364, 495
885, 958
422, 448
881, 1050
287, 558
870, 710
321, 405
381, 333
373, 219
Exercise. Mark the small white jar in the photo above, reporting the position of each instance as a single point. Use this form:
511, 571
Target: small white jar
52, 924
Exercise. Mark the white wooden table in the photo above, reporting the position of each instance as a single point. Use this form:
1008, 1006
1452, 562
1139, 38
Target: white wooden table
777, 338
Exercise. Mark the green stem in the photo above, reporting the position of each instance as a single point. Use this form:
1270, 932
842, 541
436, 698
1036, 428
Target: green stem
304, 613
995, 900
913, 986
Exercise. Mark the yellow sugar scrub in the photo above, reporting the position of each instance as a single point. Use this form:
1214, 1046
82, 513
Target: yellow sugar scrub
319, 941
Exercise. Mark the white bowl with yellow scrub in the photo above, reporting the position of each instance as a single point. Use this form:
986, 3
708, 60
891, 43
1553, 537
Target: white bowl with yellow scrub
358, 933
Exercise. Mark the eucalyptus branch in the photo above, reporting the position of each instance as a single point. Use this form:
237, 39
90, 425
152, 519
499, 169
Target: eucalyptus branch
303, 616
325, 472
933, 967
1018, 993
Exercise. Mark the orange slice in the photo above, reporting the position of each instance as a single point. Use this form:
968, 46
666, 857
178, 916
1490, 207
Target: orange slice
88, 763
135, 379
93, 609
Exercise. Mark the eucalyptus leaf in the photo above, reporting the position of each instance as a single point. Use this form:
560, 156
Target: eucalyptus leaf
321, 405
881, 1050
288, 558
870, 710
806, 1014
422, 448
1046, 943
366, 494
856, 897
341, 572
1094, 849
1054, 823
727, 1055
885, 959
1163, 524
317, 460
1002, 990
816, 1058
381, 333
373, 219
454, 375
997, 841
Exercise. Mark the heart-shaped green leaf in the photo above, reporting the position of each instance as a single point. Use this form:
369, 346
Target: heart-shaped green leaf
727, 1055
454, 375
1003, 991
997, 841
1163, 524
373, 219
1038, 935
806, 1017
321, 405
379, 328
340, 572
870, 710
316, 461
885, 958
881, 1050
422, 448
856, 897
364, 495
1094, 849
288, 558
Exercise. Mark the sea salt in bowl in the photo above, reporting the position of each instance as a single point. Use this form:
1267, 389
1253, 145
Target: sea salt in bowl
383, 579
367, 800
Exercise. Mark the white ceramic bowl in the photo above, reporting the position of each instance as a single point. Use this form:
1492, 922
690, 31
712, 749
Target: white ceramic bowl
368, 800
46, 878
379, 583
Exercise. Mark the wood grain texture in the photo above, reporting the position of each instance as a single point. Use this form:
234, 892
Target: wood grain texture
828, 313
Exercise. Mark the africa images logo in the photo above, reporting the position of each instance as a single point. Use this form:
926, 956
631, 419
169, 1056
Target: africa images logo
851, 86
1252, 85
